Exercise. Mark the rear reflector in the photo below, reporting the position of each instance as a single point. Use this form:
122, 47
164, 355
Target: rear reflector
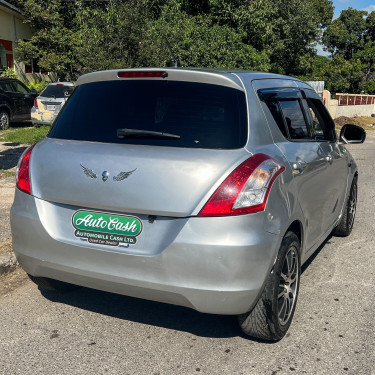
246, 189
142, 74
23, 175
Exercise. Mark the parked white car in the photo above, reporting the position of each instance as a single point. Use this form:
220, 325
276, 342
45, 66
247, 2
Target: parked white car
49, 103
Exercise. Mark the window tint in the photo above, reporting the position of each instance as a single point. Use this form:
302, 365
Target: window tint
294, 119
18, 87
6, 86
203, 115
277, 115
57, 91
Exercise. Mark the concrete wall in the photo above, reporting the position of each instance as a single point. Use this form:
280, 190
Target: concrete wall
354, 110
13, 28
332, 107
349, 105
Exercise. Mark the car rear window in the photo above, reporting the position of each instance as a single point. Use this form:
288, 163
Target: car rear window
57, 91
203, 115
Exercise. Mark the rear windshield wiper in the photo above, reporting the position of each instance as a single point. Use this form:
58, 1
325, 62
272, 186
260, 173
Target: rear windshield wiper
134, 133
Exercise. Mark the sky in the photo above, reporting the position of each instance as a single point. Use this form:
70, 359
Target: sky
368, 5
339, 5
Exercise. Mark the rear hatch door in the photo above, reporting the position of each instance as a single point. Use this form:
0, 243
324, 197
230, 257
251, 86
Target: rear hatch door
84, 162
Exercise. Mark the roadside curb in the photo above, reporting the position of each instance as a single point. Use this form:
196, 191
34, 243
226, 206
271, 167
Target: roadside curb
8, 263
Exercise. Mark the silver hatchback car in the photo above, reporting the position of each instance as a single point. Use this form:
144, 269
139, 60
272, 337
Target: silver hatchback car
206, 189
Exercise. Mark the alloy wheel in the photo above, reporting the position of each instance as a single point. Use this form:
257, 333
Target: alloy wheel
352, 206
4, 121
288, 285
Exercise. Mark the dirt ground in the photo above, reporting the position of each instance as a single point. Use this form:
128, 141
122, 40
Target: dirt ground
367, 123
9, 155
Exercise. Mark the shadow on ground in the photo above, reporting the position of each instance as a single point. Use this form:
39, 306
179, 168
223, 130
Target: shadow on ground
9, 157
155, 313
149, 312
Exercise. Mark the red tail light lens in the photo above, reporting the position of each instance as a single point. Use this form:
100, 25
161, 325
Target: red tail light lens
35, 103
142, 74
246, 189
23, 175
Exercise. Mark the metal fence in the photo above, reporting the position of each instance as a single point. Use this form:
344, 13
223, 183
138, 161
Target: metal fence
349, 99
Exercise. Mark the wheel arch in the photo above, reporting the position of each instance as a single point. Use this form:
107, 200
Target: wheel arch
5, 108
297, 228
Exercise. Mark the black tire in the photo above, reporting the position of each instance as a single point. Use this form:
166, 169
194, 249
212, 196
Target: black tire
345, 225
272, 315
52, 285
4, 119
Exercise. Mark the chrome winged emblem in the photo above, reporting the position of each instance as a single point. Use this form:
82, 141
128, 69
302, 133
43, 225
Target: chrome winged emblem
88, 172
120, 177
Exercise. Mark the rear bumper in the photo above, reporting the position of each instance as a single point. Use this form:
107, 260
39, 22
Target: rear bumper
42, 118
204, 266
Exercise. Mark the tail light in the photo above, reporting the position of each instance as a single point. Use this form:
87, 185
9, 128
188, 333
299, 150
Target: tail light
35, 103
246, 189
23, 173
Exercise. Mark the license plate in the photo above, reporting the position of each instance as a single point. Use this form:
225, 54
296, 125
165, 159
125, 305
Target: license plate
106, 229
51, 107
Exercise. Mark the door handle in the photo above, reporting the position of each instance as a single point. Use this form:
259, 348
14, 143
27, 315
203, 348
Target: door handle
329, 159
299, 165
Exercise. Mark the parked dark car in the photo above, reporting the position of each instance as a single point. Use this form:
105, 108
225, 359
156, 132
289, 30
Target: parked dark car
16, 101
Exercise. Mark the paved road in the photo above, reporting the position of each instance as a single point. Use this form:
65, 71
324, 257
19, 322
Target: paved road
91, 332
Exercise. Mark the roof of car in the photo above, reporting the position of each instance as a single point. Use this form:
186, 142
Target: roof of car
225, 77
61, 84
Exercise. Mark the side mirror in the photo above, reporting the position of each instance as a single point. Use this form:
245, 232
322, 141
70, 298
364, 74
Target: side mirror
352, 134
33, 91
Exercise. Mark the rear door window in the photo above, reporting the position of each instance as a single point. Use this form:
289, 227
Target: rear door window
19, 87
202, 115
6, 86
294, 119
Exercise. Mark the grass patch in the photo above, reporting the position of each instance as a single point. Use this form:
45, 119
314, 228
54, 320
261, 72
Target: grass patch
27, 135
4, 173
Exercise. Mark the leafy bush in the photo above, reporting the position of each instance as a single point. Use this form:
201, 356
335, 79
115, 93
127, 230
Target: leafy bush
7, 72
38, 87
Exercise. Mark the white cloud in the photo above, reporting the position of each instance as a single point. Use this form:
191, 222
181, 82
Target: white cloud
369, 9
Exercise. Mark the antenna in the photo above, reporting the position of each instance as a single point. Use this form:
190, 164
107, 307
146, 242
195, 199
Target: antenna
175, 63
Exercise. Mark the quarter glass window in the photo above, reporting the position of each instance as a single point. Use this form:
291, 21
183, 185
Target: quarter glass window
317, 125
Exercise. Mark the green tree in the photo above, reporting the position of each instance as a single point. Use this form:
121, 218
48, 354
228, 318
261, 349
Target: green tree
346, 34
72, 37
196, 41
